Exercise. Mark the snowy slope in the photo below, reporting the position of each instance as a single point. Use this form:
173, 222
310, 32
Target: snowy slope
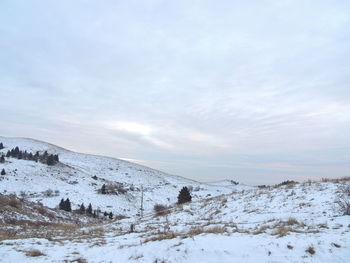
293, 223
73, 178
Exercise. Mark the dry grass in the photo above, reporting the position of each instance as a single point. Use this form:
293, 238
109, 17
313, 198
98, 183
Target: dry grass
80, 260
190, 233
336, 180
336, 245
34, 253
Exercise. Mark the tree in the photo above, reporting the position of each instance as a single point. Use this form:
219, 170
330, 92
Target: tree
3, 171
15, 152
89, 209
62, 205
2, 159
82, 209
110, 215
50, 160
67, 205
103, 189
1, 146
184, 196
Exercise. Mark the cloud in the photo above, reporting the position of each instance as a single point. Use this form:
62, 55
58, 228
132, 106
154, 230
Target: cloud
190, 84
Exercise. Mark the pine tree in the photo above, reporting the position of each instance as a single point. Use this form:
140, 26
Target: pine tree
103, 189
105, 213
50, 160
67, 205
62, 205
82, 209
110, 215
89, 209
8, 154
1, 146
184, 196
2, 159
3, 172
15, 152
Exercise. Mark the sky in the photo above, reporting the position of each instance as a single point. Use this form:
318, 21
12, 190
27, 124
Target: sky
252, 91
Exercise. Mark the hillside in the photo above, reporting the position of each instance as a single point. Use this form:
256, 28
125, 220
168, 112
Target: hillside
79, 177
225, 222
292, 223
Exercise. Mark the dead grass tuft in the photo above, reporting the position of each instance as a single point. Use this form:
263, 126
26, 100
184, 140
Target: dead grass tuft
34, 253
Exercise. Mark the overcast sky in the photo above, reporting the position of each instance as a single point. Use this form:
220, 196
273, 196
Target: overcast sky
254, 91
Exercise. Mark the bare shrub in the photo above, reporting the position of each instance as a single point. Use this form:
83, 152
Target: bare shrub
160, 210
310, 250
344, 199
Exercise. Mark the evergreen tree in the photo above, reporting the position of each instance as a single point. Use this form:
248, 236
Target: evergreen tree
50, 160
94, 214
184, 196
110, 215
105, 213
2, 159
15, 152
1, 146
103, 189
62, 205
89, 209
67, 205
3, 172
82, 209
8, 154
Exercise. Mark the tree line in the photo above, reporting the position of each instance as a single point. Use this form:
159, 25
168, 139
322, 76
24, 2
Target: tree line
66, 206
45, 157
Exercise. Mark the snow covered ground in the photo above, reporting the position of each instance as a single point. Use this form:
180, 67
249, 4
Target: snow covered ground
290, 223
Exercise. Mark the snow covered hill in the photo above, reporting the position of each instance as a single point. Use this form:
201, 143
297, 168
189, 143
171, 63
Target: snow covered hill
225, 222
291, 223
79, 177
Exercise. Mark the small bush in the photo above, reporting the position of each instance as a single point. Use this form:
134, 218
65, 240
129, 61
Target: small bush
344, 200
160, 210
310, 250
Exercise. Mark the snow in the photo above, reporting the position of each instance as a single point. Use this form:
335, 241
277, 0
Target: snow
236, 223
